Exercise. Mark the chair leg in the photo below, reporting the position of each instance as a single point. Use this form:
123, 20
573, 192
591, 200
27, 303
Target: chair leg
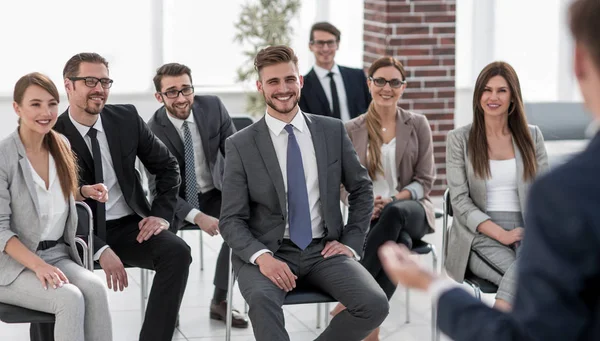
229, 300
407, 305
435, 332
143, 294
318, 315
327, 316
476, 290
201, 252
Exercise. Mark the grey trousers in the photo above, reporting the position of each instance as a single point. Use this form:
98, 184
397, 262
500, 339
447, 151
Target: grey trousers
495, 261
80, 307
344, 278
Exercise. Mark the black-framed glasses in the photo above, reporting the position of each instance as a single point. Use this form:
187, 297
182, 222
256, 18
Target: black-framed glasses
188, 90
380, 82
91, 82
321, 43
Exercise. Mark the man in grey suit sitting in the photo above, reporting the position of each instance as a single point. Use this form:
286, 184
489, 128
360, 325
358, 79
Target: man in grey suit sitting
281, 209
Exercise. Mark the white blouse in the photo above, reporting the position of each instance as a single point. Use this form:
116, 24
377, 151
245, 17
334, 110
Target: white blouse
53, 206
502, 195
385, 184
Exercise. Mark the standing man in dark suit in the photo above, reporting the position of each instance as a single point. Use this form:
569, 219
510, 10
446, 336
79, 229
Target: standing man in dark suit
558, 289
330, 89
281, 209
106, 140
194, 128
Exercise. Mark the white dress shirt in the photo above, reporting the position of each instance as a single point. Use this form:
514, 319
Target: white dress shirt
341, 90
116, 206
203, 174
385, 184
279, 136
53, 206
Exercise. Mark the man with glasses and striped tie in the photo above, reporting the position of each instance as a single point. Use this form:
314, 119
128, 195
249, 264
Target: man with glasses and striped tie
281, 209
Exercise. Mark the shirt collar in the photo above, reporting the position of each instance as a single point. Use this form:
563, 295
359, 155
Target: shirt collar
178, 123
276, 126
83, 129
322, 73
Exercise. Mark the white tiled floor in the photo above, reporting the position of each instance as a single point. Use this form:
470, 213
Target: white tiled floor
195, 324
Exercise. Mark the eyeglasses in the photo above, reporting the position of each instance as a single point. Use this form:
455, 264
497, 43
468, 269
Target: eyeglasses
321, 43
380, 82
91, 82
175, 93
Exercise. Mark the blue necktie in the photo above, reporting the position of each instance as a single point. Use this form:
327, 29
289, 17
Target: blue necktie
191, 186
297, 194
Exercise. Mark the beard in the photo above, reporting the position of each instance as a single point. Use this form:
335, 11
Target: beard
180, 113
93, 108
286, 108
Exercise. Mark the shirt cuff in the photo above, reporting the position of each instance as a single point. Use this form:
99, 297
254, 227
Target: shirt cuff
439, 287
416, 190
99, 253
165, 221
257, 254
356, 256
192, 215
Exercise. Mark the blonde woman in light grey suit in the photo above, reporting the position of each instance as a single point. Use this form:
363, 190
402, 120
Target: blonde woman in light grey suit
490, 166
40, 268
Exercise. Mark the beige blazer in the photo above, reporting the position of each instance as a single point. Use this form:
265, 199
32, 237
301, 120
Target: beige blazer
414, 154
19, 208
469, 197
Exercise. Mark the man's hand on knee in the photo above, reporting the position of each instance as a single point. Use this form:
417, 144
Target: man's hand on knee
277, 271
151, 226
116, 277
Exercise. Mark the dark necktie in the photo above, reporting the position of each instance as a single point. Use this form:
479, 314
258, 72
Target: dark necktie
98, 178
334, 96
191, 185
297, 194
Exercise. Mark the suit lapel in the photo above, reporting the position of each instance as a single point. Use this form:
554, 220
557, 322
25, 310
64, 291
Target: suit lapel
77, 142
172, 136
360, 140
349, 86
521, 185
113, 132
403, 130
199, 118
317, 88
319, 144
267, 152
26, 170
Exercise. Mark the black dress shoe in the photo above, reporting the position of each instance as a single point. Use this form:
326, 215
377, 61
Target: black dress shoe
218, 311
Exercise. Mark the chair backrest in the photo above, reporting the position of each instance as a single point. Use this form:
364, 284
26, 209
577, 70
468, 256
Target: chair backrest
241, 121
446, 226
85, 227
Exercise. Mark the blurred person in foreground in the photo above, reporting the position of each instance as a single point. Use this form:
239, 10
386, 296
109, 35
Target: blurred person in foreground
558, 288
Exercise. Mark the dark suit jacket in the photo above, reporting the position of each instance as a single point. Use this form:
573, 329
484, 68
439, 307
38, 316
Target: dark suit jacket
253, 212
128, 136
313, 97
558, 290
215, 125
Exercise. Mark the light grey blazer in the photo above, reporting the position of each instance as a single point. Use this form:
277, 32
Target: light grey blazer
468, 194
19, 208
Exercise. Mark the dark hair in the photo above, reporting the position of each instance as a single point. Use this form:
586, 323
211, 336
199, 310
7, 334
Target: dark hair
274, 55
327, 27
71, 68
477, 147
583, 18
66, 167
373, 120
171, 69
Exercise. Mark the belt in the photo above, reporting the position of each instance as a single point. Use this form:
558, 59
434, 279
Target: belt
46, 244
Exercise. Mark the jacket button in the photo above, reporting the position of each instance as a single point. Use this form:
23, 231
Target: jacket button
279, 242
282, 217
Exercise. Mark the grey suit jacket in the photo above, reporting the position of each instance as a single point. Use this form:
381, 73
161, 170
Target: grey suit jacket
468, 194
19, 208
215, 125
253, 212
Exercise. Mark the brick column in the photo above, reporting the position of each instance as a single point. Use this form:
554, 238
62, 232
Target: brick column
421, 34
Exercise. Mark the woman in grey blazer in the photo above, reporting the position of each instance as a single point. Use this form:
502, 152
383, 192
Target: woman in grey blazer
40, 267
396, 147
490, 165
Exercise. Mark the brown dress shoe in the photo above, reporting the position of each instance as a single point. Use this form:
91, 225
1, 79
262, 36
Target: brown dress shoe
219, 312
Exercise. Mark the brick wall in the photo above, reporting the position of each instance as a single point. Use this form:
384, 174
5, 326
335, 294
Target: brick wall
421, 34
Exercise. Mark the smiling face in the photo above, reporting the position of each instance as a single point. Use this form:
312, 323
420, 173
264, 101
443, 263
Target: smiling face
38, 110
496, 98
386, 96
82, 97
280, 86
180, 106
324, 45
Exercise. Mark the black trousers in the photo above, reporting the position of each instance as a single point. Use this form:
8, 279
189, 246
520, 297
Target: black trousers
404, 215
210, 203
164, 253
